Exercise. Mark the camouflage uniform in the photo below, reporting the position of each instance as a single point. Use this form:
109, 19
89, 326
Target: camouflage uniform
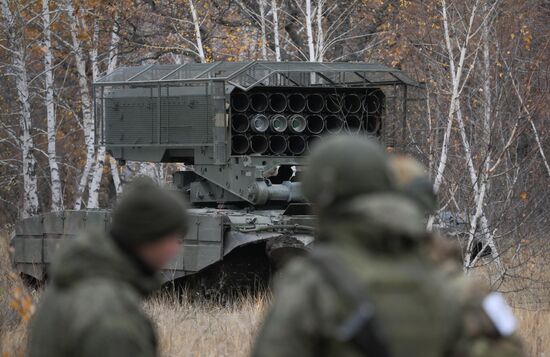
375, 236
480, 336
413, 181
92, 305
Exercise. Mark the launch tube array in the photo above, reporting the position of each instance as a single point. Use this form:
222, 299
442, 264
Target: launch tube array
287, 123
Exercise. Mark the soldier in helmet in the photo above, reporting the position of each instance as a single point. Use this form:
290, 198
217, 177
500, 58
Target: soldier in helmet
412, 180
92, 306
481, 335
366, 289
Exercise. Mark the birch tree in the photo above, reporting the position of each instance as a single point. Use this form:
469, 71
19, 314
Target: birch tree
309, 30
480, 181
97, 172
55, 180
111, 65
95, 184
86, 103
478, 135
15, 25
320, 33
321, 38
198, 36
263, 30
456, 68
275, 12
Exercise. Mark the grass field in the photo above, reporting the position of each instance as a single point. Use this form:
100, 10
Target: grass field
205, 329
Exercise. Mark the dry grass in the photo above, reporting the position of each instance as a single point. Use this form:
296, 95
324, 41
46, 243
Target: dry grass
13, 301
534, 328
204, 329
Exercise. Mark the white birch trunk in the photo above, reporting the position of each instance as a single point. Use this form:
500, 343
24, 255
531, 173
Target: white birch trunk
320, 33
261, 4
115, 174
481, 182
112, 64
430, 131
479, 188
93, 53
95, 183
17, 49
456, 79
275, 11
30, 185
455, 85
87, 118
198, 36
113, 49
55, 180
309, 31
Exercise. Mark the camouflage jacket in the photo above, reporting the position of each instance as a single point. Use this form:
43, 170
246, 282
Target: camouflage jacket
92, 305
419, 311
480, 336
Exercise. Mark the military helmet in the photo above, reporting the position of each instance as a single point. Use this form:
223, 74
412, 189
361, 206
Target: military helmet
147, 212
412, 179
341, 167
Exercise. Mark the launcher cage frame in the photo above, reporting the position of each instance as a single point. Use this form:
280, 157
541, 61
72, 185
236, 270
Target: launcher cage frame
188, 113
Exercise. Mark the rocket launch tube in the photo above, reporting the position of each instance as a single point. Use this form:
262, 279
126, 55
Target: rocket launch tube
296, 102
333, 103
315, 102
259, 144
315, 124
239, 123
277, 144
352, 103
277, 102
353, 123
278, 123
297, 123
297, 144
239, 102
333, 123
259, 123
240, 144
311, 141
259, 102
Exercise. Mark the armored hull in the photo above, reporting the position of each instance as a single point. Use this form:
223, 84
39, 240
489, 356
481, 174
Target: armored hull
264, 239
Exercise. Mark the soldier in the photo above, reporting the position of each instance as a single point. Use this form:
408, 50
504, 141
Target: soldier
92, 305
480, 335
412, 180
366, 289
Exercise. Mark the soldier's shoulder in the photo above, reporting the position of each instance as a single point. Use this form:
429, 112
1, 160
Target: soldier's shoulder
106, 294
94, 300
300, 270
303, 280
98, 301
469, 291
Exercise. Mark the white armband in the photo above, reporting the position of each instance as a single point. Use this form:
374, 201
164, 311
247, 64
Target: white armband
500, 313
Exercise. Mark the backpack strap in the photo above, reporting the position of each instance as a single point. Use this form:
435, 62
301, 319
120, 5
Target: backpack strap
361, 327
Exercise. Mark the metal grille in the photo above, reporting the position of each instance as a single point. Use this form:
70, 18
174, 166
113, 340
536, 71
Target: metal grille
246, 75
